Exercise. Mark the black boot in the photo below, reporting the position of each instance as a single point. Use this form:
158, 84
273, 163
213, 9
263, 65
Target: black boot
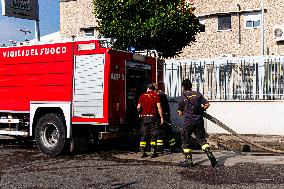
172, 144
210, 157
188, 160
160, 149
160, 146
154, 151
143, 152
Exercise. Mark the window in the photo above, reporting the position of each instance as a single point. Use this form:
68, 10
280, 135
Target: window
224, 22
88, 32
252, 20
202, 25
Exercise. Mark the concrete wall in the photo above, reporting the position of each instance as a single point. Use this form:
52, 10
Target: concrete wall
245, 117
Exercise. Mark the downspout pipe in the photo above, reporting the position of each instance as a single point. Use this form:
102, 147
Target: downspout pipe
239, 23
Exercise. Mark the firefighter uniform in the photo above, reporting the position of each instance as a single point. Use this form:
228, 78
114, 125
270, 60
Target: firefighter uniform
193, 123
165, 137
149, 115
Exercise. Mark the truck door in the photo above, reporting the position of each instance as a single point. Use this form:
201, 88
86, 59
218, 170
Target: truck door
89, 86
138, 76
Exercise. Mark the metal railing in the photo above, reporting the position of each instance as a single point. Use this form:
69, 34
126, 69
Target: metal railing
245, 78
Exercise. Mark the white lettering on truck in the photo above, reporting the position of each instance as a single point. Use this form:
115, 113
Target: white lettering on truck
34, 52
117, 76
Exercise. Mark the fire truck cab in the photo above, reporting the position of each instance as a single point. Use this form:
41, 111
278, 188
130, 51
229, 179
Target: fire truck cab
58, 93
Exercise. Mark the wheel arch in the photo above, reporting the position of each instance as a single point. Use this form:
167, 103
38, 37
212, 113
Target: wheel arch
39, 109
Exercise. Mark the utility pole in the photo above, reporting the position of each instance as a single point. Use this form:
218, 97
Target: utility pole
262, 28
25, 32
37, 29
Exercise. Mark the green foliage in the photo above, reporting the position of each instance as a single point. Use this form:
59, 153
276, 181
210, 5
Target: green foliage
163, 25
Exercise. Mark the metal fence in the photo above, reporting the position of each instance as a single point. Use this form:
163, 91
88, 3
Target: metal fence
246, 78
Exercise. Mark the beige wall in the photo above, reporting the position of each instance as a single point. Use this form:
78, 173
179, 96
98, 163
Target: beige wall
78, 14
75, 15
213, 43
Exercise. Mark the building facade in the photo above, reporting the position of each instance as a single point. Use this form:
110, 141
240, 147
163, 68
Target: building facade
231, 27
77, 18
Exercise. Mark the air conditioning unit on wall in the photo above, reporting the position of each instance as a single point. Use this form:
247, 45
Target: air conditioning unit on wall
278, 33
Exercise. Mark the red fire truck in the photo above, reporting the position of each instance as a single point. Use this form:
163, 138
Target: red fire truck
58, 93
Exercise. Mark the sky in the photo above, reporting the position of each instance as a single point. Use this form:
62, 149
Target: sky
49, 23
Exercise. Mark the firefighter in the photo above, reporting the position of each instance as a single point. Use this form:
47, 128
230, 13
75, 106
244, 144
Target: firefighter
149, 108
165, 138
191, 106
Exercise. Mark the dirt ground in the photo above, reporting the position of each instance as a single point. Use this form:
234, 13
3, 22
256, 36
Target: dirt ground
230, 142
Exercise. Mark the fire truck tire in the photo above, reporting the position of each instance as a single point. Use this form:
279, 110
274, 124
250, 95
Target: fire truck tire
50, 134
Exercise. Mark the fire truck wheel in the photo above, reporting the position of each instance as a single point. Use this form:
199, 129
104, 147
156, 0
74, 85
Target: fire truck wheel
50, 134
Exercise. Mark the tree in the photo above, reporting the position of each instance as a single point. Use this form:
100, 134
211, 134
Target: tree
164, 25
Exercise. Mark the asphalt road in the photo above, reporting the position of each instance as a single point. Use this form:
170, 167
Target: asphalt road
25, 167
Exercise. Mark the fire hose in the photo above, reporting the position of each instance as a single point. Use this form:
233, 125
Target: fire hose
225, 127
